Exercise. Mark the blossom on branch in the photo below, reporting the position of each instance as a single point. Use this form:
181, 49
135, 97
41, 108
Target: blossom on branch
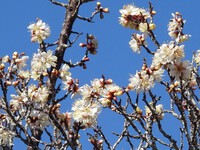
86, 112
158, 110
39, 31
132, 17
180, 70
167, 53
175, 28
6, 137
145, 79
41, 62
137, 41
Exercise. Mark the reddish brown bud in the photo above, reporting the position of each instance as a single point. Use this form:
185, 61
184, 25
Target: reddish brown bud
82, 45
86, 59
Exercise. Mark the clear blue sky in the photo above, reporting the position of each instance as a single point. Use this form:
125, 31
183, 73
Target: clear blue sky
114, 59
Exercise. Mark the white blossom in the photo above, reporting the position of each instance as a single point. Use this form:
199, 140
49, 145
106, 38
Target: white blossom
180, 70
137, 41
86, 92
64, 73
38, 94
86, 112
175, 28
158, 110
39, 31
41, 62
167, 53
41, 120
145, 79
141, 81
6, 137
132, 16
21, 62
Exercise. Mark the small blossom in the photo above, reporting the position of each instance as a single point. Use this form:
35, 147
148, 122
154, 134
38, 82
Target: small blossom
167, 53
132, 16
158, 111
85, 112
64, 73
87, 92
21, 62
18, 101
6, 137
92, 45
38, 94
41, 62
143, 27
175, 28
24, 74
180, 70
141, 81
137, 41
5, 59
38, 119
145, 79
39, 31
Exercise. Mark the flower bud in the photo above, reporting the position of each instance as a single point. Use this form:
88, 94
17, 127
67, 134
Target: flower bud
55, 72
86, 59
152, 26
15, 55
15, 83
82, 45
138, 110
84, 66
109, 81
105, 10
90, 36
153, 12
2, 66
98, 4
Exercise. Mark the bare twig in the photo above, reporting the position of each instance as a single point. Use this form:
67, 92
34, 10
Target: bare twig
59, 3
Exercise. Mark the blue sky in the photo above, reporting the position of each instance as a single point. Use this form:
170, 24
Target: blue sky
114, 59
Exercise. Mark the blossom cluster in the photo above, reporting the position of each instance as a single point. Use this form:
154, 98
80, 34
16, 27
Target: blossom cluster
134, 17
39, 31
137, 41
145, 79
41, 62
175, 28
100, 93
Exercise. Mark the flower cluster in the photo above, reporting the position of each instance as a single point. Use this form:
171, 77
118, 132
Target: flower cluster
134, 17
145, 79
38, 94
86, 112
38, 119
6, 137
137, 41
101, 92
167, 53
175, 28
39, 31
41, 62
180, 70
